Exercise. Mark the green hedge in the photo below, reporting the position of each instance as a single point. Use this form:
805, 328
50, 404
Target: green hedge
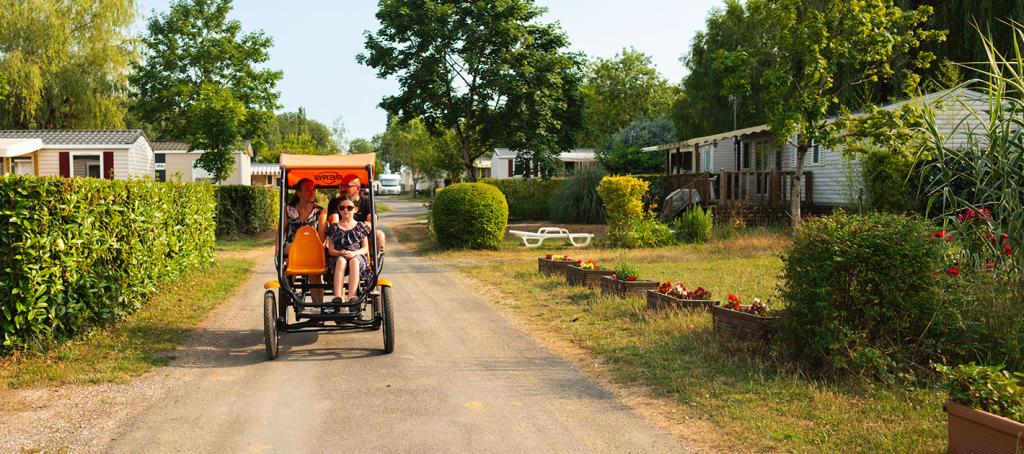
888, 182
246, 210
469, 215
866, 295
84, 252
528, 199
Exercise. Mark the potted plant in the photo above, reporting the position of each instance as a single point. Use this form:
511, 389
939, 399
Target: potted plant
586, 273
551, 264
985, 409
668, 296
755, 322
624, 282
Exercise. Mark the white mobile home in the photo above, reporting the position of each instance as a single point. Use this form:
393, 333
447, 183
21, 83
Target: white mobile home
746, 165
174, 161
109, 154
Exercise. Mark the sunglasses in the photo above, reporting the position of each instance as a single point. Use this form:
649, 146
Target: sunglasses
347, 208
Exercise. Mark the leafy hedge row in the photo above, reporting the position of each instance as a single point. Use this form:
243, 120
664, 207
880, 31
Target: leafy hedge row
84, 252
528, 199
246, 210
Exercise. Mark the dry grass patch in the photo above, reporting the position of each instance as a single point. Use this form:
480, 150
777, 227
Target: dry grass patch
754, 401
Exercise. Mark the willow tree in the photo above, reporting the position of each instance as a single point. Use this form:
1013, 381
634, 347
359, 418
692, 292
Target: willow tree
806, 58
65, 63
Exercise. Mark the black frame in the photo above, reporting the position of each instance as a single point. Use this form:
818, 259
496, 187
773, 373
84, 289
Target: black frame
295, 297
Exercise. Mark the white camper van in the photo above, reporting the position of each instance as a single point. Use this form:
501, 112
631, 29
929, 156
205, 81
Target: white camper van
390, 184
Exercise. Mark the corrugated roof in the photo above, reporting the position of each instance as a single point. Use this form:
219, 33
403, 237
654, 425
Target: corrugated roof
168, 146
574, 155
76, 137
177, 145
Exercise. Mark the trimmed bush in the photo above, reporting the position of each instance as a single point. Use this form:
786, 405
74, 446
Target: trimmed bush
246, 210
863, 294
528, 199
469, 215
576, 200
623, 203
694, 226
85, 252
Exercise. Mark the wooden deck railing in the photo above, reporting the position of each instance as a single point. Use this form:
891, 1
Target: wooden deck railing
758, 187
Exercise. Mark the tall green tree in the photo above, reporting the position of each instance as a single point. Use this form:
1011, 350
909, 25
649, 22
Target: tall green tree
488, 71
410, 145
962, 19
202, 81
622, 154
295, 133
360, 145
65, 63
619, 90
809, 55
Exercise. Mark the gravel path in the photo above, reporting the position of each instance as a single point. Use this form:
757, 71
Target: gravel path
462, 379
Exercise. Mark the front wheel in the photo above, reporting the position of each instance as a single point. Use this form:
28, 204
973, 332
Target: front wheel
270, 333
389, 319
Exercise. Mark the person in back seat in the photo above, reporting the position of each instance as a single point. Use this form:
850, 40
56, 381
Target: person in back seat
303, 210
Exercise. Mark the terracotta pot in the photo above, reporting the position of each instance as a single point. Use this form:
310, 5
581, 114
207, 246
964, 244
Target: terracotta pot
977, 431
623, 288
588, 278
741, 325
548, 266
657, 301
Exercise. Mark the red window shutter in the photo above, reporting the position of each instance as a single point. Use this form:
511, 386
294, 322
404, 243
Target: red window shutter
108, 165
64, 160
511, 164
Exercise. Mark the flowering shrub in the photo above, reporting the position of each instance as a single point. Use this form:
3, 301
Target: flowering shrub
862, 297
680, 291
589, 264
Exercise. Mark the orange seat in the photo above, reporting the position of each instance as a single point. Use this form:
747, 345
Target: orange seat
306, 254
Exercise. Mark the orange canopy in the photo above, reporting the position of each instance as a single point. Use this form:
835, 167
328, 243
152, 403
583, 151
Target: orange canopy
327, 171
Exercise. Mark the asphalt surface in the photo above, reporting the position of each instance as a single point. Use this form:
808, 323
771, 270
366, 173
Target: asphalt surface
461, 379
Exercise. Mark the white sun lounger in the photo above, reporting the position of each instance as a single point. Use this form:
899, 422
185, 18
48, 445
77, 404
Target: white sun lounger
535, 239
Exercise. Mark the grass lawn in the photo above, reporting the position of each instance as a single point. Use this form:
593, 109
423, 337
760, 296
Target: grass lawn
138, 343
750, 401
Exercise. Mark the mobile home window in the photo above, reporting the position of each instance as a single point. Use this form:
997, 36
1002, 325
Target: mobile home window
87, 165
816, 154
707, 158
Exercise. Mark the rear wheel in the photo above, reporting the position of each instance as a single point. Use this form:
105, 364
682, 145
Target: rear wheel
270, 334
389, 319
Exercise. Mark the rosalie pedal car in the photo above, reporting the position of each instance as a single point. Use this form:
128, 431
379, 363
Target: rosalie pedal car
290, 293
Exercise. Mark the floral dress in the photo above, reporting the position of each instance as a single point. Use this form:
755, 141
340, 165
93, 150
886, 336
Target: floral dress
349, 240
295, 222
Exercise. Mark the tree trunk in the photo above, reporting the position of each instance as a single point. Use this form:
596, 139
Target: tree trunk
467, 160
798, 183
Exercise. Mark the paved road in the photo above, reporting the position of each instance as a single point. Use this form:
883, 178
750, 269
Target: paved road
460, 380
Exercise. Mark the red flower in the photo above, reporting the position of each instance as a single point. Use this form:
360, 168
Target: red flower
953, 271
1008, 249
734, 302
631, 278
547, 256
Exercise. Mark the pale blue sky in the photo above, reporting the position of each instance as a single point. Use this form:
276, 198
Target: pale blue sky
316, 41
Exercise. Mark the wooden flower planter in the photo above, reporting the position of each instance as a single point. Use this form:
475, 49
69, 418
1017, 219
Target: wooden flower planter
660, 301
575, 275
741, 325
976, 431
623, 289
549, 266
